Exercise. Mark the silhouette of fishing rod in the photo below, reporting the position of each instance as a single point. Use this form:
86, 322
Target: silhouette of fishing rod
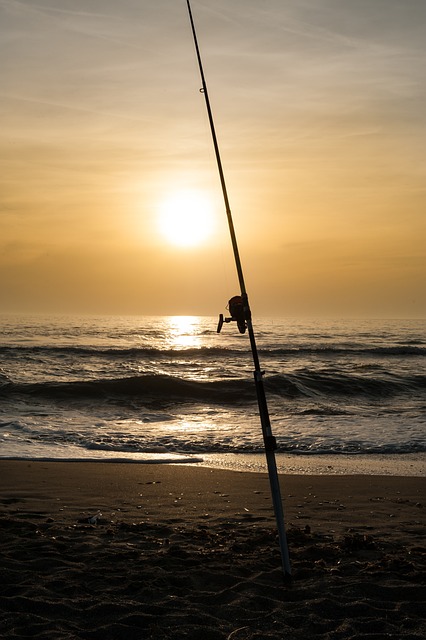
240, 312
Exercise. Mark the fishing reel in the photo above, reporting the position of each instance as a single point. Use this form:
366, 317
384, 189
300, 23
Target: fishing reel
236, 309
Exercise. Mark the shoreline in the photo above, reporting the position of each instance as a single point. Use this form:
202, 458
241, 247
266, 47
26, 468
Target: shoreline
413, 464
410, 465
115, 550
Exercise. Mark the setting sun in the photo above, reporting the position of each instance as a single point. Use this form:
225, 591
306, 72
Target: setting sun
186, 218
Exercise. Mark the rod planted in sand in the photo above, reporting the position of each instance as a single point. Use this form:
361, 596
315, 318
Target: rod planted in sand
268, 438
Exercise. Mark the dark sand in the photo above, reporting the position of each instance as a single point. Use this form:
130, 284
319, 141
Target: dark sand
188, 552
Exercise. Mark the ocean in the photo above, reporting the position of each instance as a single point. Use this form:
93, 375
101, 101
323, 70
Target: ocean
173, 389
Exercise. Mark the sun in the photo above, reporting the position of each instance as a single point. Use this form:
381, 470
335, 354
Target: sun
186, 218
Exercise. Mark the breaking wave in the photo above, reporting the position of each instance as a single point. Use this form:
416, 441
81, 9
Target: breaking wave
215, 352
174, 389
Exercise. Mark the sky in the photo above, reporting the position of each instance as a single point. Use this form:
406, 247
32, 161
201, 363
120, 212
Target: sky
320, 117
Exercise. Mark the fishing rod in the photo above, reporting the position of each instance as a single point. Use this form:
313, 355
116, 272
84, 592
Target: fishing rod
245, 320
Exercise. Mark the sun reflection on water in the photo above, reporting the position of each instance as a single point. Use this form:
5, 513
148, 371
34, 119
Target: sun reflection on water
184, 332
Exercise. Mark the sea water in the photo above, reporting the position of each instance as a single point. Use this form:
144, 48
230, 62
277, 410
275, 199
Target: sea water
173, 389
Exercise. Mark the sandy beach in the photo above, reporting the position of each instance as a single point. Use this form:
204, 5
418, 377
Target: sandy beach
106, 550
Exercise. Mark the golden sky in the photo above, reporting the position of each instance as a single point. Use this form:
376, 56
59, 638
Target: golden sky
320, 113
